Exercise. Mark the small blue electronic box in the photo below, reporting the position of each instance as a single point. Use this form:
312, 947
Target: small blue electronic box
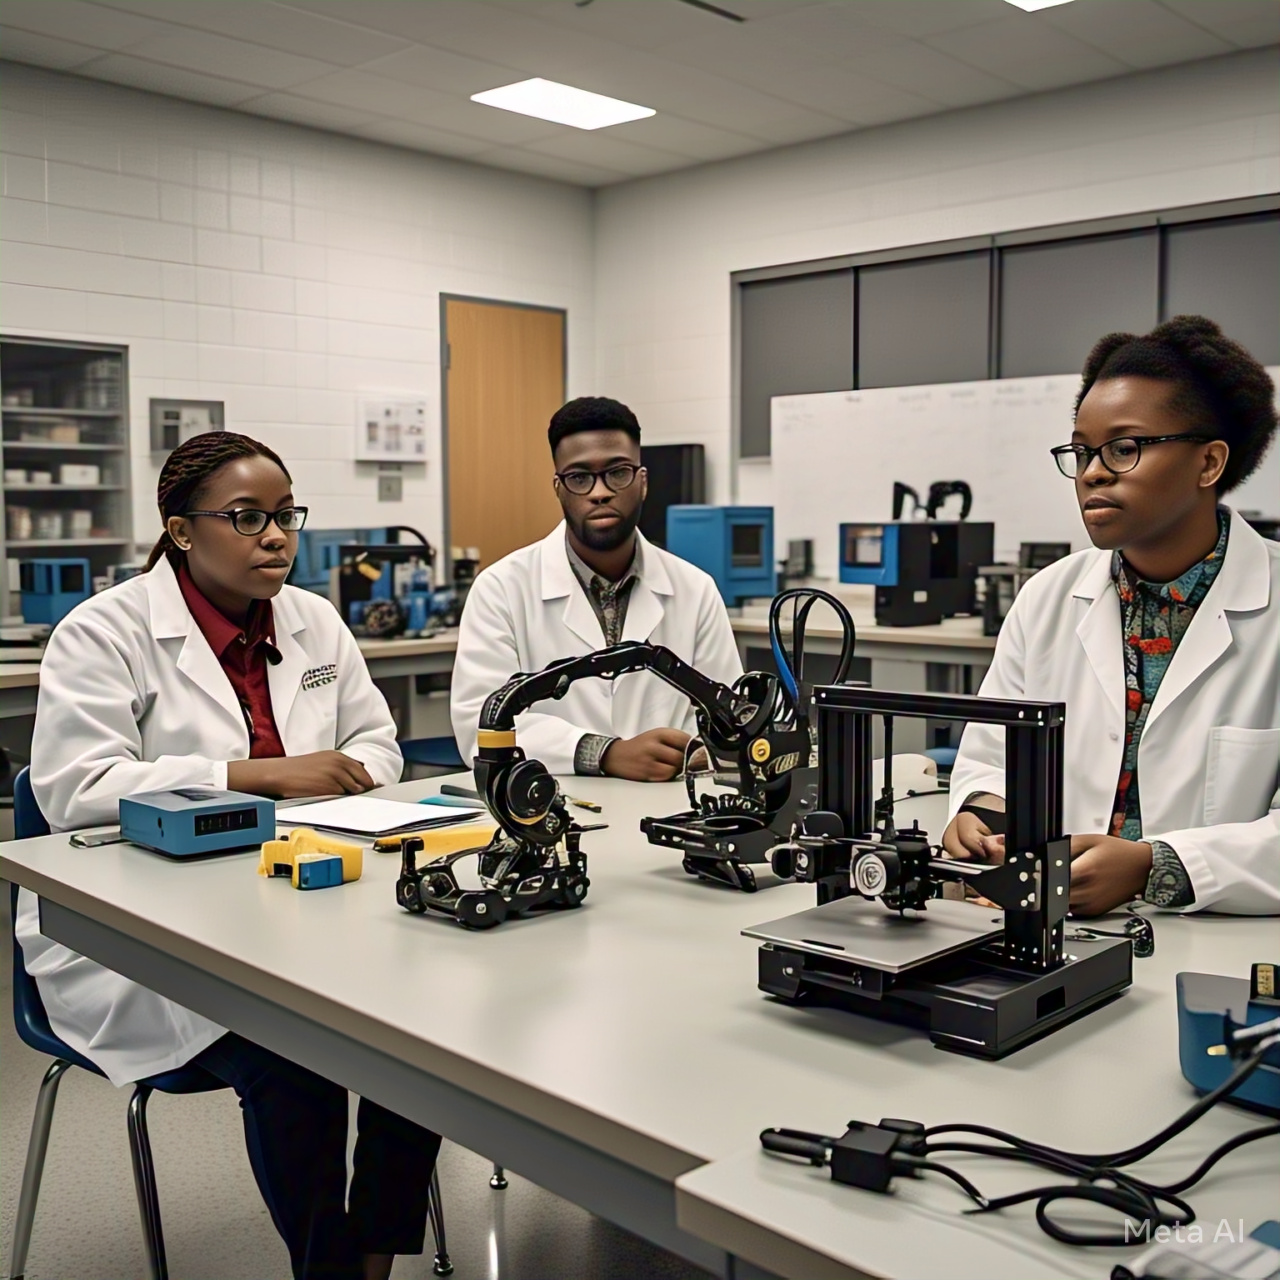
733, 544
189, 821
52, 588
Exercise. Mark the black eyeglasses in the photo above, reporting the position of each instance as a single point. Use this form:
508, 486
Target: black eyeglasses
616, 478
251, 522
1118, 456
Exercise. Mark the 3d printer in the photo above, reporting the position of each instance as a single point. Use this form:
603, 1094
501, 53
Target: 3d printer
981, 984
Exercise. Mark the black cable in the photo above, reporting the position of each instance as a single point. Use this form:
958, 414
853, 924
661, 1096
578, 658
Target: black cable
1133, 1154
1126, 1193
1252, 1135
969, 1189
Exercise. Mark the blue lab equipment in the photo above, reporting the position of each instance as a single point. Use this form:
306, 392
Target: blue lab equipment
733, 544
320, 550
188, 821
52, 588
1207, 1004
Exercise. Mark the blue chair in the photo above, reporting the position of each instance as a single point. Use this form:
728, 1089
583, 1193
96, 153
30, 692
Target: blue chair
437, 754
33, 1027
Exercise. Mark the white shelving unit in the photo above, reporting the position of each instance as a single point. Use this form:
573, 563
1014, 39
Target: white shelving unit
63, 405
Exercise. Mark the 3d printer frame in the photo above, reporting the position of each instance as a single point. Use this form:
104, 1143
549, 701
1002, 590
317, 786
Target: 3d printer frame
998, 994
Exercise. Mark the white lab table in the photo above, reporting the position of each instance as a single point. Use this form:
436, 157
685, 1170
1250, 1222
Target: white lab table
608, 1052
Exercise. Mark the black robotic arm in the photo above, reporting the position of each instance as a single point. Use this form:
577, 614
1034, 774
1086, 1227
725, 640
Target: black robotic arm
751, 726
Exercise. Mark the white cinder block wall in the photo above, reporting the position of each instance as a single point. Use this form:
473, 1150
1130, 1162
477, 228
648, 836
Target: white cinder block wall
665, 246
279, 269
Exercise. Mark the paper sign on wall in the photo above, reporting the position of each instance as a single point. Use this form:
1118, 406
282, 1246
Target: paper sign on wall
391, 429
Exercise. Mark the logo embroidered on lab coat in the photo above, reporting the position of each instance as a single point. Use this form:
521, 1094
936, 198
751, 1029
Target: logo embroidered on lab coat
317, 676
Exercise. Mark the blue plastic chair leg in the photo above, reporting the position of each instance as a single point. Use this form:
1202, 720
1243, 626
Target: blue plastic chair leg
144, 1182
33, 1170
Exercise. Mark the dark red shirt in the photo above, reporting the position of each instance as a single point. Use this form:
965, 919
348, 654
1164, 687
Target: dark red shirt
242, 651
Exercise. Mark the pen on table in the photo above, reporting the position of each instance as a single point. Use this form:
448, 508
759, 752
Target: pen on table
449, 789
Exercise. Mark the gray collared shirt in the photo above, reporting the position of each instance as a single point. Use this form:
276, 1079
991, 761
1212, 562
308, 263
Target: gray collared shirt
609, 602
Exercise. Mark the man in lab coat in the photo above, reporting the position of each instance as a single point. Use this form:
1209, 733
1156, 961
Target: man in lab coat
592, 582
1164, 642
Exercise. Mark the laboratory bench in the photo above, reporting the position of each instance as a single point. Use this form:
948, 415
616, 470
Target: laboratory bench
621, 1055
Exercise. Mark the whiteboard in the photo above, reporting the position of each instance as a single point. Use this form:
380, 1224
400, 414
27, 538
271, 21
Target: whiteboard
836, 455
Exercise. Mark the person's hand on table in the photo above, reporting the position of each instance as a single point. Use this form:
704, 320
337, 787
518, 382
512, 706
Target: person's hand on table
969, 839
657, 755
321, 773
1106, 872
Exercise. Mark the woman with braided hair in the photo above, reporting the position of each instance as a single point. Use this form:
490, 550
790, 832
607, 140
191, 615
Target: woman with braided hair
1164, 641
207, 670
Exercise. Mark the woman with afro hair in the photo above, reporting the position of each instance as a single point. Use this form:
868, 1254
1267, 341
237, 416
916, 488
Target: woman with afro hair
1163, 641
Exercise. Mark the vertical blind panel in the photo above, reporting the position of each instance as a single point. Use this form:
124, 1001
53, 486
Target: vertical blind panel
1230, 272
925, 321
797, 336
1057, 300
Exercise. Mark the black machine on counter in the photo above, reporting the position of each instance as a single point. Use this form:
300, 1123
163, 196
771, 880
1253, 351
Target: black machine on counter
923, 570
999, 584
883, 942
759, 729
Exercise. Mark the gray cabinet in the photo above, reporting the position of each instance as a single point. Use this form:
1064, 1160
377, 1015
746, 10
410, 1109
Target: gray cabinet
65, 455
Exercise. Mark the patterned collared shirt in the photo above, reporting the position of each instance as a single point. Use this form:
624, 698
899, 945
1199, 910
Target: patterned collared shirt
1154, 617
609, 601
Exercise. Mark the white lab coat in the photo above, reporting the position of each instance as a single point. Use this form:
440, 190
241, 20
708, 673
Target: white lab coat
1209, 759
133, 699
529, 610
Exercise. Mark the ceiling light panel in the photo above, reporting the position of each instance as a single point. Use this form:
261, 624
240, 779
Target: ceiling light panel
1030, 6
562, 104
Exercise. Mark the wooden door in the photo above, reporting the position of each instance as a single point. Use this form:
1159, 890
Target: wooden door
504, 380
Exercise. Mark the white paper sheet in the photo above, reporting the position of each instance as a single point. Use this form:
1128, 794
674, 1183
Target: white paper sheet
369, 816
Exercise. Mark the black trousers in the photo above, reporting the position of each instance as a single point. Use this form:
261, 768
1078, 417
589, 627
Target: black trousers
295, 1127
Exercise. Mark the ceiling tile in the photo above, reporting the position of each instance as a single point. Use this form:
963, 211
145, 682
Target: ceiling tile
597, 148
421, 137
1026, 50
139, 74
1252, 32
668, 132
639, 76
251, 63
319, 115
920, 18
275, 25
858, 99
1214, 14
396, 100
1141, 33
90, 24
43, 51
439, 69
423, 21
918, 70
555, 167
637, 24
